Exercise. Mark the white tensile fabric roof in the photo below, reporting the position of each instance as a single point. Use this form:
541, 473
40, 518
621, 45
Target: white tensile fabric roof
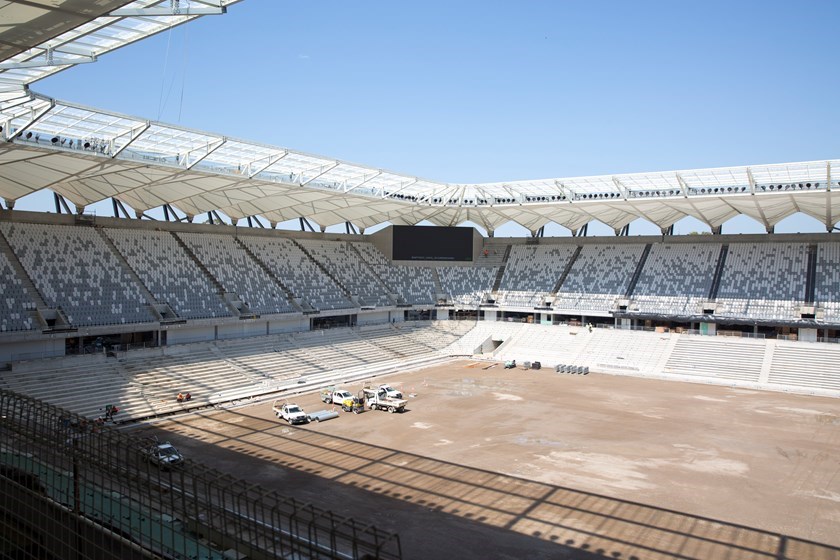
89, 155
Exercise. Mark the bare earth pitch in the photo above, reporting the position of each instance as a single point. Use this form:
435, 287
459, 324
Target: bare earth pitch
494, 463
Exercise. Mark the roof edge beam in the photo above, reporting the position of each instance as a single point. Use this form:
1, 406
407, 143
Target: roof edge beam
66, 48
49, 60
11, 86
174, 9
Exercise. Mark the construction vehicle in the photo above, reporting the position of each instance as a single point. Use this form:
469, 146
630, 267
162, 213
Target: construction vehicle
353, 404
290, 412
378, 399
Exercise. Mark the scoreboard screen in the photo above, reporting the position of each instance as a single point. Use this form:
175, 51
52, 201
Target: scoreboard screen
432, 243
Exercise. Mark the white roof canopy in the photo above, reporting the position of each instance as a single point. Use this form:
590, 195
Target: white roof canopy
89, 155
47, 37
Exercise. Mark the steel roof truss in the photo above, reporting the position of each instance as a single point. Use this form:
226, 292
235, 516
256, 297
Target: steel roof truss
36, 114
751, 179
324, 170
621, 188
132, 134
207, 149
443, 194
402, 188
364, 180
482, 194
513, 195
271, 159
563, 190
20, 101
683, 185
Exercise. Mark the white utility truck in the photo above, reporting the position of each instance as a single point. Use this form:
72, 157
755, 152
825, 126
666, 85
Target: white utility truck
290, 412
377, 399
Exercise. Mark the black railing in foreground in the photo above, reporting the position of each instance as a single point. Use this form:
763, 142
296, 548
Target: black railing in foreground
75, 488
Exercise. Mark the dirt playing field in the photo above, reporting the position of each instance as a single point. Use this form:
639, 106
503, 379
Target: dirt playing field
494, 463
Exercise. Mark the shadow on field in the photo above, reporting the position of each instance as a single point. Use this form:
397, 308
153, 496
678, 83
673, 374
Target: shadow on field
445, 510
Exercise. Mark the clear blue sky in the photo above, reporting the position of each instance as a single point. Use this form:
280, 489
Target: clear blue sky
484, 91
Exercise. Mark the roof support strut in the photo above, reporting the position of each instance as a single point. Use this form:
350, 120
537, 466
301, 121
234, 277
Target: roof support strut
202, 152
119, 208
60, 203
35, 116
304, 223
134, 134
256, 167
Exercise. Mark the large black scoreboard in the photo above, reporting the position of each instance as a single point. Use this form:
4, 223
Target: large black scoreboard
432, 243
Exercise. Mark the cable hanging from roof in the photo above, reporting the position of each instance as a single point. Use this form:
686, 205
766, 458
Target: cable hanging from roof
164, 99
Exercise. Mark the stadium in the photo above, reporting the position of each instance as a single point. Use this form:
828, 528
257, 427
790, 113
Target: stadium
623, 396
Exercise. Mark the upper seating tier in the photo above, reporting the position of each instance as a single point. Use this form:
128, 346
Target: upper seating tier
415, 284
599, 275
169, 273
676, 278
466, 284
763, 280
74, 269
531, 273
234, 268
15, 301
344, 263
298, 272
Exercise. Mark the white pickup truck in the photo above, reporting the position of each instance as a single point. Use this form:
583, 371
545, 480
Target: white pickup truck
290, 412
164, 455
391, 392
377, 399
335, 397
